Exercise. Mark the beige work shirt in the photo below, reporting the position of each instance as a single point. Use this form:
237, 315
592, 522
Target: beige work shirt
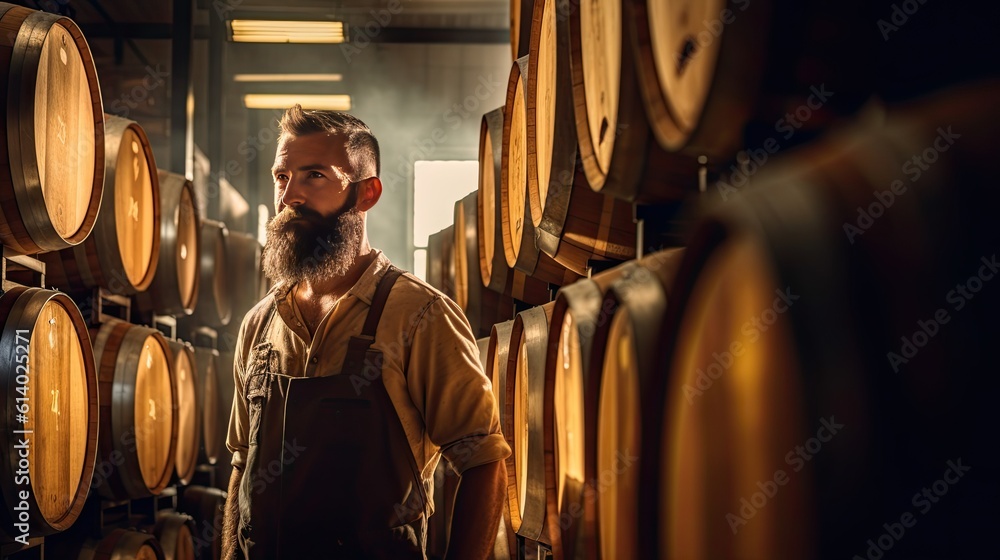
444, 400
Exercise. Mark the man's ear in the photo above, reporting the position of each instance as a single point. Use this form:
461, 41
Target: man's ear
370, 192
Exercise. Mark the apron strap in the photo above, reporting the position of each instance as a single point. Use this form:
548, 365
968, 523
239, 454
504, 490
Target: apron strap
357, 346
378, 300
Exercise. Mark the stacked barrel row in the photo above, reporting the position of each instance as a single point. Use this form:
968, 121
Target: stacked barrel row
106, 407
656, 408
795, 379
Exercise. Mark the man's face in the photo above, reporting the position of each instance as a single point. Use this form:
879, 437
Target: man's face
317, 232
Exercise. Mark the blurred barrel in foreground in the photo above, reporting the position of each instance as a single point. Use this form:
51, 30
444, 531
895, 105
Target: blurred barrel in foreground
778, 357
52, 149
46, 360
122, 252
495, 367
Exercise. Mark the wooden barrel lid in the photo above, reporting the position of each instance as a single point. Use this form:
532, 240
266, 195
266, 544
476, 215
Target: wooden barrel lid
490, 140
154, 411
48, 329
601, 53
60, 424
64, 116
121, 543
188, 410
54, 136
136, 204
187, 246
552, 147
514, 165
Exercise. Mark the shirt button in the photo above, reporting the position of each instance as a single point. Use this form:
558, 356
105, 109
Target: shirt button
314, 360
298, 323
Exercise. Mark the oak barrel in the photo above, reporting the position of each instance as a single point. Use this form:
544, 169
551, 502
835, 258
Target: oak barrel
188, 410
717, 77
573, 224
122, 251
570, 408
495, 367
175, 532
448, 260
118, 544
227, 392
496, 274
625, 345
482, 307
212, 414
520, 23
49, 377
619, 154
523, 407
207, 506
435, 260
244, 261
831, 336
52, 162
516, 226
174, 290
215, 292
138, 436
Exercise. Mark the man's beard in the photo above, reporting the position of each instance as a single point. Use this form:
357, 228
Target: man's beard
303, 245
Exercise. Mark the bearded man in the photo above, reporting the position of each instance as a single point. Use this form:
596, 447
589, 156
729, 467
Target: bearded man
352, 378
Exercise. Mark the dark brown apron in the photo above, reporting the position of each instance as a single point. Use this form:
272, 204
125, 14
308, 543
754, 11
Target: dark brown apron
329, 471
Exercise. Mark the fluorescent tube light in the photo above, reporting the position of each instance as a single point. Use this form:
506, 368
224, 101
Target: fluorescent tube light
266, 31
286, 100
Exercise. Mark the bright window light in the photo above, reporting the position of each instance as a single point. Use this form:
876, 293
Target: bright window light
288, 77
265, 31
286, 100
437, 185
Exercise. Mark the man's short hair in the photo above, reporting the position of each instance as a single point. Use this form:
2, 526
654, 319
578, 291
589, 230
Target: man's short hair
362, 147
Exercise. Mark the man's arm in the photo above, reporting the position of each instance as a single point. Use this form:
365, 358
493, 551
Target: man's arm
478, 506
230, 544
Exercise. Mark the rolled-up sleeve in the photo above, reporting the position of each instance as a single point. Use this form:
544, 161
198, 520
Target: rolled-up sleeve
236, 440
460, 412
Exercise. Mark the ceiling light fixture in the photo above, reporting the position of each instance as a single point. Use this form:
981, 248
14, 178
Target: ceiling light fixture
288, 77
275, 31
286, 100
